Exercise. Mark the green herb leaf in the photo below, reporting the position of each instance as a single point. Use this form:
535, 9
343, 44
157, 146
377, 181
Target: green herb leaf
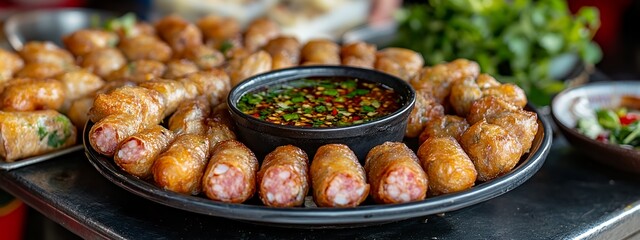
321, 109
330, 92
290, 116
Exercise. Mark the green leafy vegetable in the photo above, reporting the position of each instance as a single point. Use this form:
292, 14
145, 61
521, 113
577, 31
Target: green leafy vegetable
515, 41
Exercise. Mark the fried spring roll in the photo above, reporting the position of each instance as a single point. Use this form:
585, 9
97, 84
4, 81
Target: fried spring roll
320, 52
213, 83
107, 133
400, 62
395, 175
230, 175
259, 32
179, 33
221, 114
521, 124
284, 51
337, 178
440, 77
190, 118
425, 109
137, 153
204, 57
138, 71
488, 106
492, 149
219, 30
218, 132
447, 165
508, 92
444, 126
85, 41
103, 62
178, 68
358, 54
242, 68
78, 111
145, 104
10, 63
32, 94
45, 52
26, 134
283, 179
181, 166
463, 93
147, 47
172, 91
41, 70
78, 84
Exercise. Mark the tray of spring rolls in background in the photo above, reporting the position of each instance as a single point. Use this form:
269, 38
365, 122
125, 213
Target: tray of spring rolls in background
151, 101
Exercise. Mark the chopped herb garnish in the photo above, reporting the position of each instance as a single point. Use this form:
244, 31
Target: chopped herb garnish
320, 102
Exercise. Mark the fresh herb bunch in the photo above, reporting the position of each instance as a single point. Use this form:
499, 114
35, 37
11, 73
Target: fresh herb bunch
515, 41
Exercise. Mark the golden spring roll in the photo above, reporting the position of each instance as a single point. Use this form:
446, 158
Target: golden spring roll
447, 165
320, 52
242, 68
218, 132
337, 178
259, 32
138, 71
137, 153
400, 62
27, 134
395, 174
107, 133
145, 104
283, 179
284, 51
191, 116
148, 47
230, 175
172, 91
358, 54
178, 33
181, 166
10, 63
79, 110
32, 94
213, 83
84, 41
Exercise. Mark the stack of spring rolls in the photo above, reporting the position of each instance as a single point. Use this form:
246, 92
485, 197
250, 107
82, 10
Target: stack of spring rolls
155, 94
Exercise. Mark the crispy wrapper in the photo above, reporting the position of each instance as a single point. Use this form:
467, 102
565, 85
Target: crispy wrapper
178, 32
493, 150
10, 63
332, 164
259, 32
283, 179
190, 118
444, 126
137, 153
284, 51
358, 54
79, 110
32, 94
230, 175
145, 104
172, 91
400, 62
218, 132
107, 133
27, 134
447, 165
181, 166
213, 83
321, 52
242, 68
394, 173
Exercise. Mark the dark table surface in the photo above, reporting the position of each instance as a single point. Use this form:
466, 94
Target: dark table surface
570, 197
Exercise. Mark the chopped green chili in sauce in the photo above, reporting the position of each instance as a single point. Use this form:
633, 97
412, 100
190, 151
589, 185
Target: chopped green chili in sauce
321, 102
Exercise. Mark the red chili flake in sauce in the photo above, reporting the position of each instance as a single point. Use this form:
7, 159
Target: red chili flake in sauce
321, 102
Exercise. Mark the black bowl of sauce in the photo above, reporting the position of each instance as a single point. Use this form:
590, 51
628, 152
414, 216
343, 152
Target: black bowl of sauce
316, 105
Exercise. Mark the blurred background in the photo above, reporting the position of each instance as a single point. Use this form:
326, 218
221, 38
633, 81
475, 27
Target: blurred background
544, 46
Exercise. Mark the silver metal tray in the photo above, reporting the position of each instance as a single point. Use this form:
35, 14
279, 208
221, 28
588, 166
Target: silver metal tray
36, 159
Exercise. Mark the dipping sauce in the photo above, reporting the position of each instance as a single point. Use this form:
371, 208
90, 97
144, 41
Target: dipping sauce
321, 102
